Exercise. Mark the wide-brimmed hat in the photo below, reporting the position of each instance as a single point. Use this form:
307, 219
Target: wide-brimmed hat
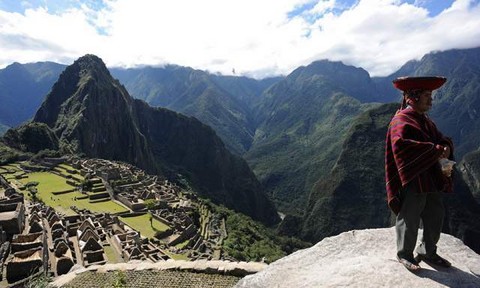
419, 83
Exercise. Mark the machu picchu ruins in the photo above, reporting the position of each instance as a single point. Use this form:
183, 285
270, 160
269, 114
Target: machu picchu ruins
94, 212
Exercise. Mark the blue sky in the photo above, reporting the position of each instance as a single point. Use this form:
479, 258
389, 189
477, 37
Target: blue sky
257, 38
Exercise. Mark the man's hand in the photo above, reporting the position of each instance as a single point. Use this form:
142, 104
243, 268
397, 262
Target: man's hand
446, 152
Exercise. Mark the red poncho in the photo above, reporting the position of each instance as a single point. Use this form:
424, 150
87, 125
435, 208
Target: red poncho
413, 148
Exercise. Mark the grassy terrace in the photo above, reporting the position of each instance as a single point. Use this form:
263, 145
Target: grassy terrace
63, 170
112, 255
49, 183
10, 167
142, 224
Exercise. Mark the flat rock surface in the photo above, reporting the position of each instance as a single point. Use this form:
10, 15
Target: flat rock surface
367, 258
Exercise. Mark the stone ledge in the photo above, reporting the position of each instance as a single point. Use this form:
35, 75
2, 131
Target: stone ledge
239, 269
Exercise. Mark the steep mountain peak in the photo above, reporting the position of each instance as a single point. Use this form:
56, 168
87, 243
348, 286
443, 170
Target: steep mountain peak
86, 78
91, 67
327, 67
353, 80
90, 61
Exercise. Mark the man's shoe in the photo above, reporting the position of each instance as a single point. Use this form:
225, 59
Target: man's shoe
410, 264
434, 260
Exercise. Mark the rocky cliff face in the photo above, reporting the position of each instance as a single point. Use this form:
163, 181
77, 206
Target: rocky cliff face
366, 258
470, 167
352, 196
92, 113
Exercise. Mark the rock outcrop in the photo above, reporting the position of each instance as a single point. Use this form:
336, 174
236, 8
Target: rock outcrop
366, 258
470, 167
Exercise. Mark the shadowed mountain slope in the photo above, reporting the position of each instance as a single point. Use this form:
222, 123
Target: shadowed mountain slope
352, 195
92, 113
470, 167
218, 101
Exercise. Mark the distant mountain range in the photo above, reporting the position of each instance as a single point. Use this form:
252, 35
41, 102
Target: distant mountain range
23, 88
303, 134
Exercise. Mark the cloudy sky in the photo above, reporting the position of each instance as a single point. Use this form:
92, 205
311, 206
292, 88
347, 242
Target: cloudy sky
255, 38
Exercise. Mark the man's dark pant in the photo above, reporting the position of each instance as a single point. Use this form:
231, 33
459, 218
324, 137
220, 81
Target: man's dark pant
415, 206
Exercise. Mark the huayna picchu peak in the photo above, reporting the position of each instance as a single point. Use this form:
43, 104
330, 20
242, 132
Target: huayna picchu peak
93, 114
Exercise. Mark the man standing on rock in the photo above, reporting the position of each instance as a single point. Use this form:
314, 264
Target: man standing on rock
415, 180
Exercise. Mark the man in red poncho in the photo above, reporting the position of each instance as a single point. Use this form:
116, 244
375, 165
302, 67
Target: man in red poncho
414, 178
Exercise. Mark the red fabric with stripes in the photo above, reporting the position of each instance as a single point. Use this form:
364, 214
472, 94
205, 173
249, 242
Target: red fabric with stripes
413, 147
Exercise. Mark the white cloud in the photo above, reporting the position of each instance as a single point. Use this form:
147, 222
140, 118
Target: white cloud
257, 38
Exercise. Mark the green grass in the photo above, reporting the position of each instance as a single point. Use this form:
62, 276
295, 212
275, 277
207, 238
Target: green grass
112, 255
142, 224
10, 167
49, 183
177, 256
65, 167
63, 170
182, 244
100, 207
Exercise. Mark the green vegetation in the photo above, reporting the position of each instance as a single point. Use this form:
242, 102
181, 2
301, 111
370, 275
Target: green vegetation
31, 137
48, 183
150, 203
334, 208
182, 244
11, 171
300, 137
112, 255
64, 170
100, 207
40, 281
9, 155
249, 240
120, 280
142, 224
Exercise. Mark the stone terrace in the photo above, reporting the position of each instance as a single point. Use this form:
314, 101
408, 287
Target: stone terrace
208, 274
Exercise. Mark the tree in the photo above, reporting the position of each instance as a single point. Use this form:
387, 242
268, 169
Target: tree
86, 185
33, 193
150, 203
